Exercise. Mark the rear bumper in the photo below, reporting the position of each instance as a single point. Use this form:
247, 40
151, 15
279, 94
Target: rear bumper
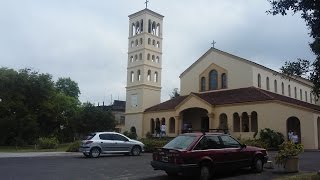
84, 149
265, 158
185, 169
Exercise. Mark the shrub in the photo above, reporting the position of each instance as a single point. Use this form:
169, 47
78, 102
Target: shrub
152, 143
254, 142
271, 138
73, 147
48, 143
149, 135
130, 135
286, 150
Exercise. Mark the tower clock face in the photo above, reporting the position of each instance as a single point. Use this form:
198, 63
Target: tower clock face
134, 100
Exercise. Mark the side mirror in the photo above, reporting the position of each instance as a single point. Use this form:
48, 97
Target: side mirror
243, 146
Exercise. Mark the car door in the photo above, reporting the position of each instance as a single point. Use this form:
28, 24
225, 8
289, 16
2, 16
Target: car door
236, 154
106, 142
122, 144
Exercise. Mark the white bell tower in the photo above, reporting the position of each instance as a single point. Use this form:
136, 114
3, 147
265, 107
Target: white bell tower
144, 66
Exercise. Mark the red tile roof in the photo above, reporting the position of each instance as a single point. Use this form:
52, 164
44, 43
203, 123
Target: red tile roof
234, 96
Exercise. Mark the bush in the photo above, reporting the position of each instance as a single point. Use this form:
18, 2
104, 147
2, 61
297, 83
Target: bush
271, 138
131, 135
152, 143
149, 135
286, 150
73, 147
48, 143
254, 142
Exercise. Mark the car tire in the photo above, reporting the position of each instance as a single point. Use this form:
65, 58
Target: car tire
257, 165
86, 155
205, 172
136, 150
95, 152
172, 173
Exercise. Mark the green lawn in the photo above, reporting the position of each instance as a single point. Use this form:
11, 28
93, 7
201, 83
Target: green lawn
61, 147
302, 176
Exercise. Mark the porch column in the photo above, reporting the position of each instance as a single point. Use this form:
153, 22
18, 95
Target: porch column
212, 123
177, 125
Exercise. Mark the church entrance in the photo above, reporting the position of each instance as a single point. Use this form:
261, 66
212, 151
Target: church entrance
195, 119
293, 124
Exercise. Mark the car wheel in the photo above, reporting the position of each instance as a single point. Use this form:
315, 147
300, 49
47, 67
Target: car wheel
257, 165
205, 172
171, 173
136, 151
86, 155
95, 152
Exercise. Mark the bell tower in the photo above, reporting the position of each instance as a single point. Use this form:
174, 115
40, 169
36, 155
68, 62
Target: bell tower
143, 88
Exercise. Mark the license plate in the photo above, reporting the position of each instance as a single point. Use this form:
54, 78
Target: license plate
165, 158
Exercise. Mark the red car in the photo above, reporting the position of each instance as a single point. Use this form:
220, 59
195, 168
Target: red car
202, 154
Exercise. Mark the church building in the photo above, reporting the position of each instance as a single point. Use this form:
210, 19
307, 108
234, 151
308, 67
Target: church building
219, 90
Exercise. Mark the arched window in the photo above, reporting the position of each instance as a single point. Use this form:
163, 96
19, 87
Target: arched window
148, 57
154, 30
158, 30
133, 27
223, 81
149, 41
132, 76
149, 75
141, 41
135, 57
301, 94
275, 86
140, 56
213, 80
223, 121
282, 88
267, 83
289, 90
137, 42
236, 122
149, 26
132, 43
138, 75
245, 122
155, 79
137, 27
154, 42
295, 92
157, 59
152, 126
254, 121
172, 125
306, 96
152, 58
310, 97
158, 44
203, 84
259, 80
131, 58
141, 25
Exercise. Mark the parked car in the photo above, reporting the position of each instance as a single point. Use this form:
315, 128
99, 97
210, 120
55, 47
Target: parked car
203, 154
109, 143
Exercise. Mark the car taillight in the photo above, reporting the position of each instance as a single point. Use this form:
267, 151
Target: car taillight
89, 142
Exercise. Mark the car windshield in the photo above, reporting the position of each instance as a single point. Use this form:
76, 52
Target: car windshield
89, 136
180, 142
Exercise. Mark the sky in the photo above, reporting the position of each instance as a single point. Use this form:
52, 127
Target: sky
87, 40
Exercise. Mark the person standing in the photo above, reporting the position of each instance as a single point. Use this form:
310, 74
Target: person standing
290, 134
163, 130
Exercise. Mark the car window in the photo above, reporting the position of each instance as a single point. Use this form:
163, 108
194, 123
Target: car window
106, 136
209, 142
180, 142
118, 137
89, 136
229, 142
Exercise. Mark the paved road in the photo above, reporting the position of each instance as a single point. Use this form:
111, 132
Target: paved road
74, 166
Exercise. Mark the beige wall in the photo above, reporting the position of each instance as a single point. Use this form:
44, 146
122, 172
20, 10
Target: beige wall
135, 120
239, 73
271, 115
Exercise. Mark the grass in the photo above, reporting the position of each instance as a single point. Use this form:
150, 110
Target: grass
12, 149
302, 176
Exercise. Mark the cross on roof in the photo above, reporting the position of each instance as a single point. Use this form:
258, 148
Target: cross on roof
213, 43
146, 4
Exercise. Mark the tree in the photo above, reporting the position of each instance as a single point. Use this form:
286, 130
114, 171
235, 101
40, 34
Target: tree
175, 93
299, 68
310, 12
68, 87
